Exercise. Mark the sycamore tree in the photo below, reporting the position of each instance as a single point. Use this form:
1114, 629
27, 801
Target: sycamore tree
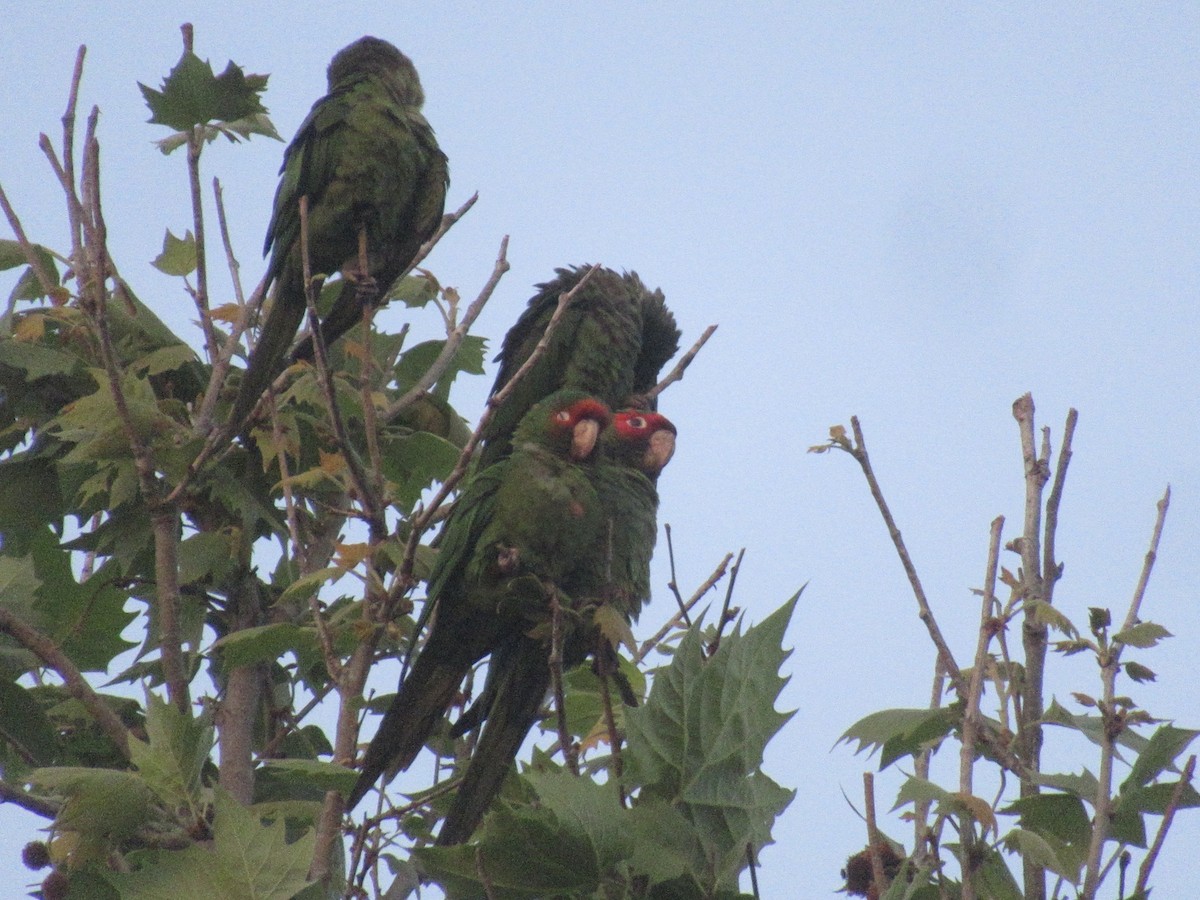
264, 575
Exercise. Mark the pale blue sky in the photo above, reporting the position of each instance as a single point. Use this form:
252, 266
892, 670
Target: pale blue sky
910, 213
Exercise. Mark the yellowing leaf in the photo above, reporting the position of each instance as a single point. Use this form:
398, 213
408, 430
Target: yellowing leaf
30, 328
332, 463
350, 555
979, 809
614, 627
226, 312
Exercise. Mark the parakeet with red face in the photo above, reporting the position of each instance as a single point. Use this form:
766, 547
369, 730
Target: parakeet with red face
370, 166
634, 449
519, 529
611, 342
614, 570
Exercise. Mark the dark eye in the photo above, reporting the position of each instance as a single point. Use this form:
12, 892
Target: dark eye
637, 422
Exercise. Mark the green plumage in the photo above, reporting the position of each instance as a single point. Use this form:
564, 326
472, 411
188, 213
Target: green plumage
628, 464
520, 525
614, 569
611, 342
367, 161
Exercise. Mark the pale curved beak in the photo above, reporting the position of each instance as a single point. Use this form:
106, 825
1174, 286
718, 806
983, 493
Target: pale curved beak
660, 451
583, 438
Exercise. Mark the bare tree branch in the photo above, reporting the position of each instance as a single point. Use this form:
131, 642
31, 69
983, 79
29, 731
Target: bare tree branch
676, 373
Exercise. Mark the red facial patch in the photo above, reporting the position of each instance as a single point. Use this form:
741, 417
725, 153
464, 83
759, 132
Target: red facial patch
588, 408
633, 425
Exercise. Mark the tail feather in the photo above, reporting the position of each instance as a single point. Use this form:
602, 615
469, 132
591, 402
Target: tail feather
518, 692
274, 339
420, 703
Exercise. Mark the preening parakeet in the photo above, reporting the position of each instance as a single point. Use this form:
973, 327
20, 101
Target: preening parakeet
519, 528
368, 163
611, 342
614, 570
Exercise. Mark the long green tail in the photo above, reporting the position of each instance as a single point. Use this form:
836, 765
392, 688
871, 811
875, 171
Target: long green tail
518, 694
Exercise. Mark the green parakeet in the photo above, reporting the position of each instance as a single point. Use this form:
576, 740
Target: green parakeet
368, 163
634, 449
611, 342
520, 526
615, 570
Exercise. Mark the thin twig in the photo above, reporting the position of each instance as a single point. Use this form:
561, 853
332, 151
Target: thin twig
949, 666
874, 839
40, 806
673, 584
987, 620
603, 660
1051, 570
676, 374
484, 880
1139, 593
725, 614
1109, 658
752, 865
675, 621
569, 748
456, 334
371, 502
971, 727
31, 256
448, 221
76, 685
195, 145
1189, 770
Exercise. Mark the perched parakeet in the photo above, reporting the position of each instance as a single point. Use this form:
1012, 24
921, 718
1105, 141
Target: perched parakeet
611, 342
634, 449
519, 528
368, 163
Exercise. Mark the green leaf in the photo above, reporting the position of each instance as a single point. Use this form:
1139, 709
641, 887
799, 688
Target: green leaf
29, 286
901, 732
415, 291
1158, 755
1082, 786
1142, 635
263, 643
37, 361
412, 462
1091, 727
24, 726
415, 362
206, 556
509, 839
994, 880
178, 255
307, 774
1060, 815
1059, 857
1139, 673
99, 802
192, 95
174, 755
698, 741
1046, 614
247, 861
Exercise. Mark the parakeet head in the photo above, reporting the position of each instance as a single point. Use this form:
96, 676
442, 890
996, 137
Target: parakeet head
375, 57
644, 440
567, 422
